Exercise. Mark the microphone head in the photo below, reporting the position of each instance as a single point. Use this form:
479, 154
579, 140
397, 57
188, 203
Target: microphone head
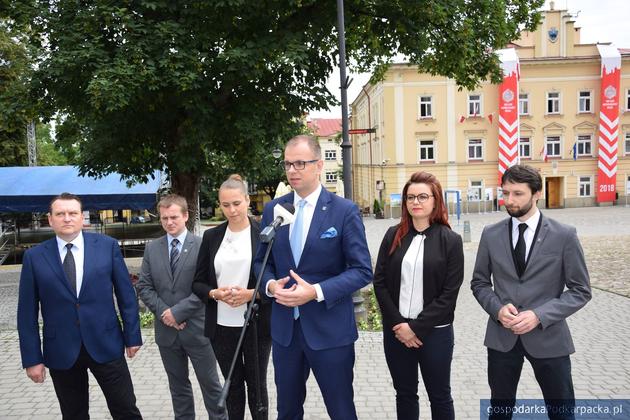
285, 211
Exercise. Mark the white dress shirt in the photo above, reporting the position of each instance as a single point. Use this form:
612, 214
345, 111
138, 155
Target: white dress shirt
181, 238
232, 264
532, 224
78, 252
411, 299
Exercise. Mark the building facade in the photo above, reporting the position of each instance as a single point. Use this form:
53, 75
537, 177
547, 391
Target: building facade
327, 131
424, 122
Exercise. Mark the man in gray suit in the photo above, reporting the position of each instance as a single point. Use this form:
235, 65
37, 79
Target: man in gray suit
165, 286
540, 278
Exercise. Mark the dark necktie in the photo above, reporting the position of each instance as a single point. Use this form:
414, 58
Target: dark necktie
70, 268
521, 249
174, 255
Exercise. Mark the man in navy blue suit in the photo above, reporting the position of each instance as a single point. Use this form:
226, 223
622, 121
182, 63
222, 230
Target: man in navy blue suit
315, 265
73, 278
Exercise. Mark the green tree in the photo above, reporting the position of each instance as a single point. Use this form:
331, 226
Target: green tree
151, 84
48, 154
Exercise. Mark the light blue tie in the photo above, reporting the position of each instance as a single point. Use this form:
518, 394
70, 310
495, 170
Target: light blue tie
296, 242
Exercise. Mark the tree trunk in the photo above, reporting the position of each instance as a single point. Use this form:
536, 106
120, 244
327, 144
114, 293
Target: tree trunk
187, 185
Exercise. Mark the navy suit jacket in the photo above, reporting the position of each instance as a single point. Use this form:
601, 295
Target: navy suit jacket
339, 262
68, 320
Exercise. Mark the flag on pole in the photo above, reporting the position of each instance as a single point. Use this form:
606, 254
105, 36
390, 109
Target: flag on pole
543, 153
462, 119
574, 151
490, 116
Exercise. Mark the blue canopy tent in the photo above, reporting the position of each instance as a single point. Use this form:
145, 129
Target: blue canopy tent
30, 189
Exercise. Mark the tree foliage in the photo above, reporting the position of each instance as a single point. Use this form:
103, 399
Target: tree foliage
140, 85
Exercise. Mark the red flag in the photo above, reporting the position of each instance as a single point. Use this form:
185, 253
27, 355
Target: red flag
490, 118
462, 119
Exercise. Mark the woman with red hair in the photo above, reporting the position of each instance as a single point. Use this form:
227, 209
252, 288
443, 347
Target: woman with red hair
419, 270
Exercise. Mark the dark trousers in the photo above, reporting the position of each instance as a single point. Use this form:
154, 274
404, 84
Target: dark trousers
333, 370
434, 358
71, 387
224, 344
552, 374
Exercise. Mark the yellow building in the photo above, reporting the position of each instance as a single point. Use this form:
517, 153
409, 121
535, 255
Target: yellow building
423, 122
327, 131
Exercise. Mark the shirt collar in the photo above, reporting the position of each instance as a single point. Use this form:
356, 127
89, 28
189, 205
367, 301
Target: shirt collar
78, 242
532, 222
310, 199
180, 238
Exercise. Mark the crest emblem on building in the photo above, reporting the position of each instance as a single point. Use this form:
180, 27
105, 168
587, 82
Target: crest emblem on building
508, 95
553, 34
610, 92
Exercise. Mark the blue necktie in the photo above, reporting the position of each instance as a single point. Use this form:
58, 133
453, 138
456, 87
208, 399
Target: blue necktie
174, 255
296, 242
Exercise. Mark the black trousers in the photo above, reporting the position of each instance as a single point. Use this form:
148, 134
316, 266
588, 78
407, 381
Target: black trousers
224, 344
434, 359
71, 387
552, 374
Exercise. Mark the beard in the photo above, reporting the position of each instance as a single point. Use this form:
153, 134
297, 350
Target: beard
519, 211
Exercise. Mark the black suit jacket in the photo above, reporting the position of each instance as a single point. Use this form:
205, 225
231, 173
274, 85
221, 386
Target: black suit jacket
206, 278
443, 273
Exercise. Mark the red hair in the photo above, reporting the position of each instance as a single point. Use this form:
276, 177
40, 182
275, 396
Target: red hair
438, 215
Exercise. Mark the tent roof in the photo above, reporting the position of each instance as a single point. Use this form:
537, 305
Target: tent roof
30, 189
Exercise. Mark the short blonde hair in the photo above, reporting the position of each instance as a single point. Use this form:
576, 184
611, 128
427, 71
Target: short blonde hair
173, 199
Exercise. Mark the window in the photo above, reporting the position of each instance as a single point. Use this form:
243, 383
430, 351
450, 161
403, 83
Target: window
474, 190
584, 101
525, 148
426, 150
330, 155
474, 105
475, 149
627, 144
553, 146
331, 177
628, 100
553, 102
523, 104
425, 107
584, 186
584, 144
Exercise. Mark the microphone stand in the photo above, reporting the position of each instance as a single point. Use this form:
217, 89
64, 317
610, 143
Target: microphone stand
251, 318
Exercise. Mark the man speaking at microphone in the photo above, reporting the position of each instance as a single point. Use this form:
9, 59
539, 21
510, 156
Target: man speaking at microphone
315, 265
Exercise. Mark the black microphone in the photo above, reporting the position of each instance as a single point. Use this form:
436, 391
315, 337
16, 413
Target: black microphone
269, 232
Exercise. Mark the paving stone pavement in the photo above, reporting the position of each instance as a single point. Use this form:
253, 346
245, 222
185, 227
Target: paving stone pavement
601, 364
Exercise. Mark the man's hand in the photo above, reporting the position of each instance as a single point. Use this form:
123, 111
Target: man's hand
524, 322
405, 335
131, 351
239, 296
168, 319
297, 294
277, 285
507, 314
37, 373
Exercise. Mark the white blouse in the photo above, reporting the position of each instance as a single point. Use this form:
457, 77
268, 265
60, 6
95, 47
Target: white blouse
232, 267
411, 298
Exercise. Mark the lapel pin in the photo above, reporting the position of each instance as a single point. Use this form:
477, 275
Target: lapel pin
324, 208
185, 250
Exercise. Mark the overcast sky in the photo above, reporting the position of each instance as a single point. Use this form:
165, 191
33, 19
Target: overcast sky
600, 20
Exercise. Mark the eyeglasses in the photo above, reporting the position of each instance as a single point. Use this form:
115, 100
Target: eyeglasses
298, 165
422, 198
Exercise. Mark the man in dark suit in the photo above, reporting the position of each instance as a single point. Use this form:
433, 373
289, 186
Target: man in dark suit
73, 278
165, 286
537, 268
315, 265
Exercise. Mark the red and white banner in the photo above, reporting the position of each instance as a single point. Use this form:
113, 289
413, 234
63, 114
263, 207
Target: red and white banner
608, 123
508, 110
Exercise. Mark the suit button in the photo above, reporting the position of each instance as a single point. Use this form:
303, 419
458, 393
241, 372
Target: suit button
77, 322
78, 306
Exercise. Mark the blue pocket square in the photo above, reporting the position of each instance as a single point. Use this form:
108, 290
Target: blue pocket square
330, 233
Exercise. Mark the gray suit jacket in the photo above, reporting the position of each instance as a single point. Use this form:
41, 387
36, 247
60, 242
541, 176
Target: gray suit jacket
160, 290
555, 284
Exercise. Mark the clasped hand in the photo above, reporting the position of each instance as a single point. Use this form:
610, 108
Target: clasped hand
233, 295
298, 294
405, 335
518, 322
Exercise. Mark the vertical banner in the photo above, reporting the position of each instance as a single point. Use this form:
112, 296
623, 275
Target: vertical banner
608, 123
508, 111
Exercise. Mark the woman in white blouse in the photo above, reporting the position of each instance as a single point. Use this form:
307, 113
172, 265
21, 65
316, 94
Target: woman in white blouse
225, 281
419, 271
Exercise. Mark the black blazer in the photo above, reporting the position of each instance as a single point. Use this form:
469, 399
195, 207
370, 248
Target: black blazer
206, 278
443, 273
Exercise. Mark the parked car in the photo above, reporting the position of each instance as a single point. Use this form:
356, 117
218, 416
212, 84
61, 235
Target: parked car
137, 219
